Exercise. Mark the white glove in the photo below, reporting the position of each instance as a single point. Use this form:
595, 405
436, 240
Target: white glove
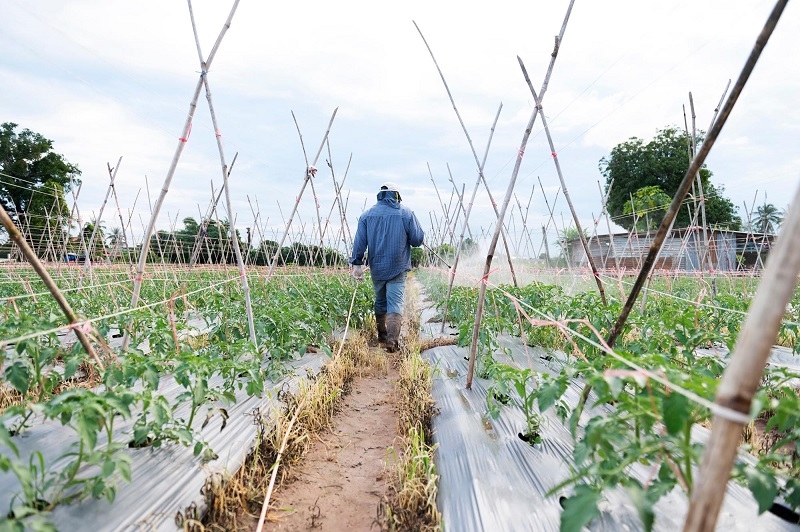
357, 273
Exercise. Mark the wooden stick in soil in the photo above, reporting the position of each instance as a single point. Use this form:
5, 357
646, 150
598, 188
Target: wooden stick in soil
454, 267
697, 163
31, 257
743, 375
226, 185
313, 191
474, 153
672, 211
187, 127
99, 218
581, 236
493, 244
308, 176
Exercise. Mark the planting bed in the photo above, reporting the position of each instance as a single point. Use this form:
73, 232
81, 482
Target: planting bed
604, 438
493, 480
141, 439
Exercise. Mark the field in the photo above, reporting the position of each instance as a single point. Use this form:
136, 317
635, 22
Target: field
80, 433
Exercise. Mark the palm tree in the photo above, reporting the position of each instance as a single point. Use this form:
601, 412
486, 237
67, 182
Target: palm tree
565, 239
115, 239
99, 237
767, 219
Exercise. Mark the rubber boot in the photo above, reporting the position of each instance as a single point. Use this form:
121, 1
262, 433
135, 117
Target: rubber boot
380, 321
393, 323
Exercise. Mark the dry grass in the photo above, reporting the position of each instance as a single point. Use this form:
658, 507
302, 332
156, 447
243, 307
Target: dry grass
410, 503
437, 342
235, 502
86, 376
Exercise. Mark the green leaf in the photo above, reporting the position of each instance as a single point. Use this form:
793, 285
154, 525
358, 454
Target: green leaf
676, 412
108, 468
124, 468
614, 385
71, 366
763, 486
19, 376
548, 394
580, 509
643, 504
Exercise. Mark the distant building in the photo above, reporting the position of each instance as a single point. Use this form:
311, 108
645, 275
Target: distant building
683, 249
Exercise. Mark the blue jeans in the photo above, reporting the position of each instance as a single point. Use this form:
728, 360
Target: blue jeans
389, 295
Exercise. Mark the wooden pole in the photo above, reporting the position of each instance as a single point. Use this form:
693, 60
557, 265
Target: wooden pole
308, 176
697, 163
31, 257
474, 153
581, 236
187, 127
742, 376
225, 183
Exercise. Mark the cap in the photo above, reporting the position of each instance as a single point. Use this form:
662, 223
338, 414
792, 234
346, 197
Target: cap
391, 187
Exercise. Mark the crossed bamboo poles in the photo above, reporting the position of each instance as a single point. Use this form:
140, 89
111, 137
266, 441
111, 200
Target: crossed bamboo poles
779, 279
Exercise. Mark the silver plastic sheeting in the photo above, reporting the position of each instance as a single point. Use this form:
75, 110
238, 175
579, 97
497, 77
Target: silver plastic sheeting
168, 480
492, 480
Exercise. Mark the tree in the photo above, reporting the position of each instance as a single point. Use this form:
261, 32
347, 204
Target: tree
565, 239
46, 224
29, 165
768, 218
662, 163
116, 238
648, 205
96, 247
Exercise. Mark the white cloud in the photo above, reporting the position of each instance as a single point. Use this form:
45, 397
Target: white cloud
105, 79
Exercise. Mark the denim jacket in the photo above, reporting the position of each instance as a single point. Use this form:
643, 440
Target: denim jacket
388, 230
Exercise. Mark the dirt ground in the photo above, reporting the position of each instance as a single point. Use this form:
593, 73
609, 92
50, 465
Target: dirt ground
342, 479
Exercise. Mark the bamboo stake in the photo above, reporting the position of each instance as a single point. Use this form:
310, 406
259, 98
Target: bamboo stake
226, 185
742, 376
492, 245
307, 178
507, 199
704, 257
187, 127
31, 257
608, 221
454, 267
119, 211
99, 217
204, 221
564, 187
697, 163
472, 147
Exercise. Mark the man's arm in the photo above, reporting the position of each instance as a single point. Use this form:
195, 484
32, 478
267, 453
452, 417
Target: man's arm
415, 233
359, 244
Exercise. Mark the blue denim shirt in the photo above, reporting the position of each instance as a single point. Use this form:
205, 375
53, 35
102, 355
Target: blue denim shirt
389, 230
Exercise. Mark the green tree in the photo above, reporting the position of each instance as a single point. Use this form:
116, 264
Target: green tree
768, 218
116, 239
649, 205
29, 165
565, 239
661, 163
97, 246
47, 221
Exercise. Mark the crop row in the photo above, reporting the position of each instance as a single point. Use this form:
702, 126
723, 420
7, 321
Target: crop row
663, 375
193, 329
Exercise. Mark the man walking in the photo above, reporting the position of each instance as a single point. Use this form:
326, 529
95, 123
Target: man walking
387, 231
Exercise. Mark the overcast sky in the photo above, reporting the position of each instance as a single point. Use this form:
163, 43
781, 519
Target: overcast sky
109, 79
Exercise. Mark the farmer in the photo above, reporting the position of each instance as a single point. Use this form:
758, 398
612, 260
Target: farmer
387, 230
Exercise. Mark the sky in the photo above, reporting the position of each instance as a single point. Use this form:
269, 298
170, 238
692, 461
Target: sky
106, 80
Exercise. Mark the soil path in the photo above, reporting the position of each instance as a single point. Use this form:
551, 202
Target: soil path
342, 478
